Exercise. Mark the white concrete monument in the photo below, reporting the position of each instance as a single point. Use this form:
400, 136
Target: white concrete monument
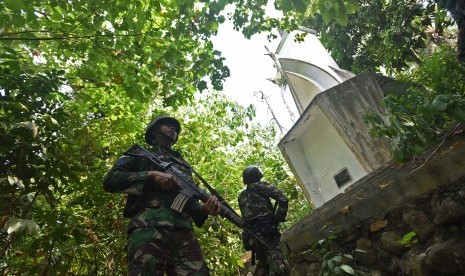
329, 148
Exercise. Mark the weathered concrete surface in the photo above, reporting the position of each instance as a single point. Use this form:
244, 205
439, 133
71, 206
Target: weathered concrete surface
345, 106
375, 195
331, 136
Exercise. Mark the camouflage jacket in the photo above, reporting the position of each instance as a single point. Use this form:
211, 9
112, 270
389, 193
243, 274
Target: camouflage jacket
254, 202
146, 204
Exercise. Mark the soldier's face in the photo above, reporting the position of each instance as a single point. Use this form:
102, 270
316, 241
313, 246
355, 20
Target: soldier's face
167, 131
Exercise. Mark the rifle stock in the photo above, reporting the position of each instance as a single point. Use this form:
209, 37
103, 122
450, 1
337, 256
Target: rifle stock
191, 190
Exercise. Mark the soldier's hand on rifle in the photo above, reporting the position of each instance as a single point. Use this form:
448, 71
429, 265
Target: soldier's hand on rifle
163, 180
212, 206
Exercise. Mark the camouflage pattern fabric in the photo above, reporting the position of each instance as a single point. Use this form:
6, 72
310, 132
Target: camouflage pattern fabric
129, 176
160, 239
260, 217
148, 205
269, 261
277, 263
254, 201
154, 250
164, 217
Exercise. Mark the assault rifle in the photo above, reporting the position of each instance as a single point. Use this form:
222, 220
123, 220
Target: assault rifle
191, 190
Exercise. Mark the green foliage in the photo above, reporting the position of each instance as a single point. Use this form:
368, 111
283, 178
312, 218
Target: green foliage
409, 239
415, 120
146, 48
251, 17
381, 35
138, 46
219, 141
332, 263
78, 81
57, 184
15, 225
336, 265
51, 151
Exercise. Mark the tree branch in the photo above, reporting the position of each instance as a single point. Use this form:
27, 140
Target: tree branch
63, 37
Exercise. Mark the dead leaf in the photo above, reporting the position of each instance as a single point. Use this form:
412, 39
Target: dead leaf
382, 186
346, 210
92, 236
396, 165
456, 144
378, 225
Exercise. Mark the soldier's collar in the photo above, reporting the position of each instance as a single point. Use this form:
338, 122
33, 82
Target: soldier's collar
161, 149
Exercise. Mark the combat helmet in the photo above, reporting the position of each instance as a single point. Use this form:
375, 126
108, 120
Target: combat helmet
156, 122
251, 174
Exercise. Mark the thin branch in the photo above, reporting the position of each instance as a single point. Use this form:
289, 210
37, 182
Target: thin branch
271, 110
66, 37
442, 142
436, 149
91, 13
282, 86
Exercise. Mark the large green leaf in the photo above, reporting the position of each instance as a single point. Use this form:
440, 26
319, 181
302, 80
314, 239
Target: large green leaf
16, 225
16, 5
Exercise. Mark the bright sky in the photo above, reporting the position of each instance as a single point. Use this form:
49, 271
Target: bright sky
250, 68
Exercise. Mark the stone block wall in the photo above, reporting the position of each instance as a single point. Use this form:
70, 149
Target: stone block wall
424, 236
402, 219
381, 246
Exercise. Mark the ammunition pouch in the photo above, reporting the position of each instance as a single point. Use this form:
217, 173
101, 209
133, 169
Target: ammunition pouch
247, 241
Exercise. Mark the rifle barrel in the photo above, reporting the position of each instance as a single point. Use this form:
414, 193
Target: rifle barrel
190, 189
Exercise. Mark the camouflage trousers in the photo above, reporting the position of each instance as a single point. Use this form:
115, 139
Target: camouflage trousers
270, 261
156, 250
274, 263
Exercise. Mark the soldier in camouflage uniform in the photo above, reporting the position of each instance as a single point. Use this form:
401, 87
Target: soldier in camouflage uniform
263, 219
160, 239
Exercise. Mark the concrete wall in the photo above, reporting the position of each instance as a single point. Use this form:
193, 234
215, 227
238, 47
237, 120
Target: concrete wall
326, 161
331, 134
376, 213
345, 106
376, 194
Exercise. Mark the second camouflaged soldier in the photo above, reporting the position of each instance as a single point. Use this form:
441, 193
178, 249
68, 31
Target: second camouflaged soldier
160, 240
263, 219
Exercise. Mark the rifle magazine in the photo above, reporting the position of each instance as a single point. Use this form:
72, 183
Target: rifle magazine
179, 202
